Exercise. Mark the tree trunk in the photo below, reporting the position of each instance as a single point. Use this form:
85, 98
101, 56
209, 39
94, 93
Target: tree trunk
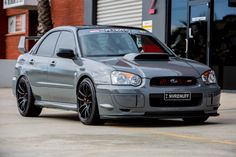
44, 17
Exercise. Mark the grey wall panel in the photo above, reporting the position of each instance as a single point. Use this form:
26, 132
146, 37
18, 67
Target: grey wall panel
90, 12
7, 71
158, 19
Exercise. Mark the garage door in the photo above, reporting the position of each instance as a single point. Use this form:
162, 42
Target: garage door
119, 12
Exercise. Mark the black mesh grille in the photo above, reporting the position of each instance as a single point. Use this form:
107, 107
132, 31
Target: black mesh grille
173, 81
157, 100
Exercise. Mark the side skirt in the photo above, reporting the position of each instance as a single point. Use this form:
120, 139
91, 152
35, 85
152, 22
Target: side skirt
57, 105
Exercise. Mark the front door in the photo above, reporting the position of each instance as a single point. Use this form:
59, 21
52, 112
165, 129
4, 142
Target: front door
62, 72
198, 31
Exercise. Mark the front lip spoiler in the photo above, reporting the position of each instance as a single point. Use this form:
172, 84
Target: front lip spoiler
183, 114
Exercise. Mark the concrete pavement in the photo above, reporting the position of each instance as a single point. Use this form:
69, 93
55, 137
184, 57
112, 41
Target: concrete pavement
59, 133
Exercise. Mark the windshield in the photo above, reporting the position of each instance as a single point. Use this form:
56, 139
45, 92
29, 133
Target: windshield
96, 43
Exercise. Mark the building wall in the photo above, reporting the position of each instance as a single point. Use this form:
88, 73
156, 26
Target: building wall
90, 12
7, 71
158, 19
3, 30
12, 39
69, 12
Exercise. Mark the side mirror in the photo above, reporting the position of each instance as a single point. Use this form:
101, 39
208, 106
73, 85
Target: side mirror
22, 42
66, 53
21, 45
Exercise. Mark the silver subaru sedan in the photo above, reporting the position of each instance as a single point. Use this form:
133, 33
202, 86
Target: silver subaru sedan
111, 72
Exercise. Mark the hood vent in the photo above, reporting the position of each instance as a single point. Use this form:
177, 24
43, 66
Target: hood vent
147, 57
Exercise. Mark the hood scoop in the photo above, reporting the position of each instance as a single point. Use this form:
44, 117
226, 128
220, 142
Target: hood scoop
146, 57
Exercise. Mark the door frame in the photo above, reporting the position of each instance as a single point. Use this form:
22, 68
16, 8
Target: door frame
209, 22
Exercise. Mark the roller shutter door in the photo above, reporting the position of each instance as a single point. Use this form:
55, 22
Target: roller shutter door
119, 12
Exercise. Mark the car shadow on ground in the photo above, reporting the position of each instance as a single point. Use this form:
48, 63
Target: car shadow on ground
73, 117
155, 123
61, 116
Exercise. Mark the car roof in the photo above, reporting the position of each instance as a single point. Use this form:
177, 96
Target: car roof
96, 27
107, 26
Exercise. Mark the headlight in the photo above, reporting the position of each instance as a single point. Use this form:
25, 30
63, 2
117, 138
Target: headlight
208, 77
125, 78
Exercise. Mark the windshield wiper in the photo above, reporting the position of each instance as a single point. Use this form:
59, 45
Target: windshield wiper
107, 55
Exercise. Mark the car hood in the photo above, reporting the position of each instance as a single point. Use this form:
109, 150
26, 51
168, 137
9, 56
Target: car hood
149, 66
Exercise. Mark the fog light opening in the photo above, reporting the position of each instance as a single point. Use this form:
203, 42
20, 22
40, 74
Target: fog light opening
124, 110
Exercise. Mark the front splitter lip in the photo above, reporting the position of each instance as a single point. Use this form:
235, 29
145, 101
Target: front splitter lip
164, 115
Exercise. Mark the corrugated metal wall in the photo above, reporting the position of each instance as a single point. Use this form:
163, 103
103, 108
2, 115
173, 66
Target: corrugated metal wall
119, 12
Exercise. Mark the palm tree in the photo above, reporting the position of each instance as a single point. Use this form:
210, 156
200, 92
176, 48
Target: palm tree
44, 17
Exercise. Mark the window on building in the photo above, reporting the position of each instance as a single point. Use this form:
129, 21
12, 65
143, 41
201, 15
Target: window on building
224, 33
16, 23
223, 42
178, 26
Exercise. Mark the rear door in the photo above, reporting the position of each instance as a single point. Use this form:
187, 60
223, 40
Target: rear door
38, 66
62, 72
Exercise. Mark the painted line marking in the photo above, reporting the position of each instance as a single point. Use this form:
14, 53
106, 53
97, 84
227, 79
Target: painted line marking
181, 136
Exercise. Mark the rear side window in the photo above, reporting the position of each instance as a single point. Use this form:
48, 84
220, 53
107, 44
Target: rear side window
66, 41
47, 47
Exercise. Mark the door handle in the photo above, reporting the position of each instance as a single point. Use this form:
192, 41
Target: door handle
53, 63
186, 46
31, 61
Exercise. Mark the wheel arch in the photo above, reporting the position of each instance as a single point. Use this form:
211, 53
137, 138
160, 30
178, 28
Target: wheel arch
94, 117
82, 77
19, 80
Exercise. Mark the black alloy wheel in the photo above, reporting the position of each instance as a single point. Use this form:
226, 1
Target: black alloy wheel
87, 103
25, 99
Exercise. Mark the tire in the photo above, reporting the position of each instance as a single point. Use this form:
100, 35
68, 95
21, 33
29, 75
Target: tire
196, 120
87, 103
25, 99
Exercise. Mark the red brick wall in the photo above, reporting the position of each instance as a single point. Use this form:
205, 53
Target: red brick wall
12, 39
67, 12
12, 46
64, 12
3, 30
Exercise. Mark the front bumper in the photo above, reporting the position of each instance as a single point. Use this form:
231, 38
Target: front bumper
134, 102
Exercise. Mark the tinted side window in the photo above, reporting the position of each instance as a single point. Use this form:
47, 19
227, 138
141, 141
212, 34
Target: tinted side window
66, 41
48, 45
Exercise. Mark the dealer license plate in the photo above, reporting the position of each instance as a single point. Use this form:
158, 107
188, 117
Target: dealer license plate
169, 96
